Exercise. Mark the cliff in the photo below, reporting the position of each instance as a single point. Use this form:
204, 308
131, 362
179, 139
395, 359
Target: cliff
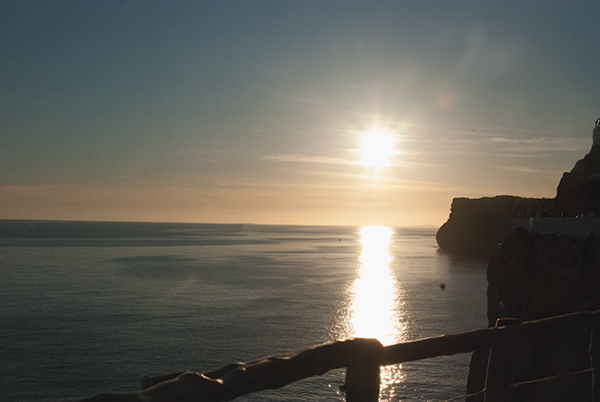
547, 265
579, 189
533, 276
476, 226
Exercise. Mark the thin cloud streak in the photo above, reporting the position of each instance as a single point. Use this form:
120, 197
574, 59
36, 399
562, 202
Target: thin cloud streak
466, 143
523, 169
299, 99
301, 158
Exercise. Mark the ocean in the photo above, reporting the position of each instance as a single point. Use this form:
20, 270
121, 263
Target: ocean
92, 307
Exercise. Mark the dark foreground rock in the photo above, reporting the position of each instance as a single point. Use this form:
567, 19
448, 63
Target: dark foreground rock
533, 276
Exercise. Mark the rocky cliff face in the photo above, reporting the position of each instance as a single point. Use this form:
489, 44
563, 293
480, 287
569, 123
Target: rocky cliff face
533, 276
476, 226
579, 190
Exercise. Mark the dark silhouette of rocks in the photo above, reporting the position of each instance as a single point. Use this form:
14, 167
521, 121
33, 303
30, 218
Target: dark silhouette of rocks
579, 189
533, 276
477, 226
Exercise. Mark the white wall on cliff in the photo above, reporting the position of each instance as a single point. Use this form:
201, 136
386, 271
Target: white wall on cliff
581, 227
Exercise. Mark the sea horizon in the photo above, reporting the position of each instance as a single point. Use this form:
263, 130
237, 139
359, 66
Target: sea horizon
425, 226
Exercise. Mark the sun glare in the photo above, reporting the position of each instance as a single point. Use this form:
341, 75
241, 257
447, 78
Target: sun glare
374, 290
376, 310
376, 307
377, 148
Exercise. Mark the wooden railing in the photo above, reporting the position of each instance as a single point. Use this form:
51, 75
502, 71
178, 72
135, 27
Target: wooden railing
362, 358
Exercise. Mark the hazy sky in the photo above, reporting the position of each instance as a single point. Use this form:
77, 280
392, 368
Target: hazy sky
255, 111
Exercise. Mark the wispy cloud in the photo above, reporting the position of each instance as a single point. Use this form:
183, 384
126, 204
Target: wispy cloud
507, 129
309, 159
554, 174
499, 141
184, 152
547, 142
301, 158
298, 98
521, 169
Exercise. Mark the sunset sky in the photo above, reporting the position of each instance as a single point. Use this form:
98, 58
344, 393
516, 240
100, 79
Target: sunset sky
257, 111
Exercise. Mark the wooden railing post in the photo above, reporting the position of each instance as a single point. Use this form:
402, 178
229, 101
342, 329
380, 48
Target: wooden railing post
363, 373
500, 367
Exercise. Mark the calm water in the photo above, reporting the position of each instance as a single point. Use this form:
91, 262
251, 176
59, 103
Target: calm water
90, 307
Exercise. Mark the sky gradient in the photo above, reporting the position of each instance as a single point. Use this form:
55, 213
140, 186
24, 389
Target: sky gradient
254, 111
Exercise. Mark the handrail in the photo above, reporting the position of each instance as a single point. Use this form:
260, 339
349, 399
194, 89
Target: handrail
487, 338
362, 358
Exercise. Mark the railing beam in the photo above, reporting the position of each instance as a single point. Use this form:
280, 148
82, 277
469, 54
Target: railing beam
490, 338
362, 357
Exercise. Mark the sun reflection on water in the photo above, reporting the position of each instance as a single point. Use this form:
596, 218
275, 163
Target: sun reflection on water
376, 307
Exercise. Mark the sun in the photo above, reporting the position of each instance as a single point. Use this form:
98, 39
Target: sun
377, 148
